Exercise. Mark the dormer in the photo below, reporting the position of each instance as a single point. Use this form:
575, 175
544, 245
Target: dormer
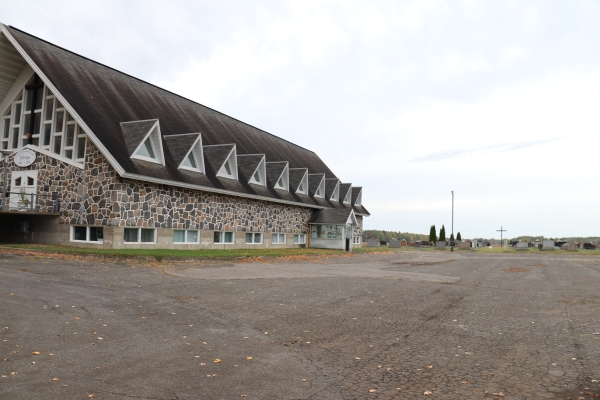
299, 180
278, 174
316, 183
252, 168
357, 196
346, 192
222, 159
186, 150
332, 189
143, 140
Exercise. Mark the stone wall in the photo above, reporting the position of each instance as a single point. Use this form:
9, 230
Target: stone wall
358, 229
96, 195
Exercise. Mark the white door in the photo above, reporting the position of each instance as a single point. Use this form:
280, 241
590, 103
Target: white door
22, 182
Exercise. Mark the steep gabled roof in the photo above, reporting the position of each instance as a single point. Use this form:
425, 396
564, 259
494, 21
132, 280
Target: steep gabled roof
101, 98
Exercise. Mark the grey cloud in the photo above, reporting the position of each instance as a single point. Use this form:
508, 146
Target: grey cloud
496, 148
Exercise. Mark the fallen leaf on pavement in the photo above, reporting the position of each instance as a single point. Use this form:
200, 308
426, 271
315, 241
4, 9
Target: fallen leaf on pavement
217, 360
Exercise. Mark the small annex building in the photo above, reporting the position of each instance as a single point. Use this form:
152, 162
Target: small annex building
94, 157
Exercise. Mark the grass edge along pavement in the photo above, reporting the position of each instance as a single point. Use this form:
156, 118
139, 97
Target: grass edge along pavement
160, 254
221, 254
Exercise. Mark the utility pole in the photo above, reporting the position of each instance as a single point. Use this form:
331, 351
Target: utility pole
452, 243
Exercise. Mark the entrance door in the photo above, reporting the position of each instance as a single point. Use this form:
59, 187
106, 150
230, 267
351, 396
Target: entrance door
348, 236
22, 182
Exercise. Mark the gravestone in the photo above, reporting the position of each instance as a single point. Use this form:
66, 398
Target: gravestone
522, 246
464, 245
441, 245
425, 243
570, 247
417, 245
394, 243
372, 243
403, 243
411, 244
548, 245
382, 243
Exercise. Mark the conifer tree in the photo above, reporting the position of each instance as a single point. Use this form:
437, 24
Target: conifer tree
458, 237
452, 237
432, 234
442, 234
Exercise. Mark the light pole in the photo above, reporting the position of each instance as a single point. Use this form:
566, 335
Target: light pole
452, 243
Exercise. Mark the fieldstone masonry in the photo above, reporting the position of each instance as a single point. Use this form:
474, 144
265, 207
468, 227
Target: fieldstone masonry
97, 195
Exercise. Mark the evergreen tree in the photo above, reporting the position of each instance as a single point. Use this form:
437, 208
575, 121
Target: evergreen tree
442, 234
452, 237
432, 233
458, 237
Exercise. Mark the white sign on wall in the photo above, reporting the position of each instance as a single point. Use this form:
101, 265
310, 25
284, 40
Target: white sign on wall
25, 158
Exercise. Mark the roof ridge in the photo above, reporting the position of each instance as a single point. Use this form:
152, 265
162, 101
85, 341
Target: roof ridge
158, 87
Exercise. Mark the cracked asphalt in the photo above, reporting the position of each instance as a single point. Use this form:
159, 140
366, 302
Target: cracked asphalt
403, 325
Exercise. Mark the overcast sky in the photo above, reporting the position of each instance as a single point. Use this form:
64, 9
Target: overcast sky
496, 100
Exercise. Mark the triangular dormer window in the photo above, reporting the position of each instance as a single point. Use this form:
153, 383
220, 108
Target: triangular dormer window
229, 167
348, 197
279, 183
146, 151
303, 186
256, 178
283, 181
336, 193
150, 148
358, 199
189, 162
259, 176
320, 192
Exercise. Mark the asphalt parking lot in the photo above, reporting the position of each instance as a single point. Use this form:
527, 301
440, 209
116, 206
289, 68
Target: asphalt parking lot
402, 325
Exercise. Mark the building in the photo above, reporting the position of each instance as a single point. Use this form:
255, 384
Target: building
116, 162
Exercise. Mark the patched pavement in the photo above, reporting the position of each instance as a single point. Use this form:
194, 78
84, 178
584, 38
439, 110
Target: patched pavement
381, 326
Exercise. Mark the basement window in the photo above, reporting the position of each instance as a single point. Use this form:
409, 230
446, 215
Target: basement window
91, 234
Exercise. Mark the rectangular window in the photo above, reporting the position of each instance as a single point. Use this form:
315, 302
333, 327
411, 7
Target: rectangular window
179, 237
334, 231
183, 236
300, 239
130, 235
81, 147
80, 233
254, 238
356, 239
278, 238
147, 235
92, 234
317, 231
224, 237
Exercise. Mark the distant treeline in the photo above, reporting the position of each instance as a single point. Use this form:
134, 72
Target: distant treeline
389, 235
411, 237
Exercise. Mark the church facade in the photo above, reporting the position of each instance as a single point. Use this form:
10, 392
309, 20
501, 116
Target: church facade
95, 157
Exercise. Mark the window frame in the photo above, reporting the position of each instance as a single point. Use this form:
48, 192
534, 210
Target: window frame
254, 234
356, 240
185, 236
87, 234
297, 237
139, 235
278, 235
222, 235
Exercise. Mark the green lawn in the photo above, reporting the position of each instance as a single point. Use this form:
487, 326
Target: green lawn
171, 253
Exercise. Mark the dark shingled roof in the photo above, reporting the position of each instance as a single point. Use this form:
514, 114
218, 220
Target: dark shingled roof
330, 216
180, 145
215, 156
103, 98
247, 164
134, 132
296, 175
330, 184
